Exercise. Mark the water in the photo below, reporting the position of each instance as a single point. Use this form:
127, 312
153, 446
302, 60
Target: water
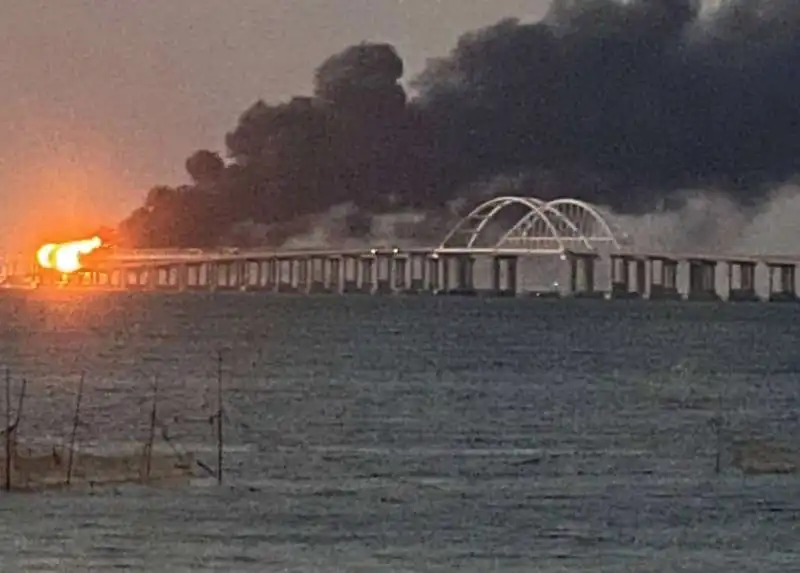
429, 434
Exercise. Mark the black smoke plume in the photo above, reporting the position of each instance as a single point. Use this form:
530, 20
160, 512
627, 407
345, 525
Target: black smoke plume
616, 103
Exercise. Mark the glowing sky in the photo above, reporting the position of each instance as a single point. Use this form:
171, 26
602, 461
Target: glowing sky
101, 100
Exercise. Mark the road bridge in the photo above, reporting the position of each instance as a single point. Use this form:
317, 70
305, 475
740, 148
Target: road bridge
502, 231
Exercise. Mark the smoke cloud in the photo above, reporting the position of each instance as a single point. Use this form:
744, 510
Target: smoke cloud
623, 104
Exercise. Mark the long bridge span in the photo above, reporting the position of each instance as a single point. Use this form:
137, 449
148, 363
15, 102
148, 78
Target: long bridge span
503, 231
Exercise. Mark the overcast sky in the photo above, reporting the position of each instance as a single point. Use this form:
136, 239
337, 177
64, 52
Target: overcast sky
103, 99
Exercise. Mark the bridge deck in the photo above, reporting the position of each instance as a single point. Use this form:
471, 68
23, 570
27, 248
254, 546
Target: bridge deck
230, 255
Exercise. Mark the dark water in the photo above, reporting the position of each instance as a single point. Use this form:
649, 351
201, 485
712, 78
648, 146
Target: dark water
430, 434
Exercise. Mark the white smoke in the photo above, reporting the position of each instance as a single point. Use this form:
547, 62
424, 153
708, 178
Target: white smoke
710, 223
706, 223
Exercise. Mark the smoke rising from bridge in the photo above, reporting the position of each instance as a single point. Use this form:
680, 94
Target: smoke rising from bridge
625, 105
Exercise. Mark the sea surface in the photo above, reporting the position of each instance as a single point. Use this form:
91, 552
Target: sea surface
409, 434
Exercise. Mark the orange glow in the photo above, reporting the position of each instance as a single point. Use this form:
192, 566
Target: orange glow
66, 257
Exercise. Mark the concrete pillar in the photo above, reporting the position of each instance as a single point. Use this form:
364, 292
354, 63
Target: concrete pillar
351, 271
446, 273
333, 270
270, 274
252, 274
240, 272
182, 277
512, 276
222, 274
620, 284
742, 281
434, 274
151, 277
161, 277
782, 282
417, 269
507, 287
400, 273
204, 275
702, 280
663, 279
367, 274
316, 274
581, 275
640, 266
284, 277
234, 275
303, 274
137, 277
192, 278
384, 271
212, 275
465, 275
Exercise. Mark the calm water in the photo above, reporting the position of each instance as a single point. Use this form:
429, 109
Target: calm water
369, 434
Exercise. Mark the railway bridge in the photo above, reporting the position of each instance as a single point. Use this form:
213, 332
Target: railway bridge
499, 233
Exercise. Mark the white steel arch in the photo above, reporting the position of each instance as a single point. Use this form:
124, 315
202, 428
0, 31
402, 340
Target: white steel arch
545, 227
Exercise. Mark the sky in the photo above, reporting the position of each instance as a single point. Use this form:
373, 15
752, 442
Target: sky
102, 100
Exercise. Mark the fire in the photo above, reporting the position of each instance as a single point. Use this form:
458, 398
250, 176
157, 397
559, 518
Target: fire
66, 257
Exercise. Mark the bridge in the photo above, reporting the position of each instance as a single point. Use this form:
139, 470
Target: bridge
502, 230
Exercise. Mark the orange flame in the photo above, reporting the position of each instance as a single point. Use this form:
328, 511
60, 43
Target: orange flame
66, 257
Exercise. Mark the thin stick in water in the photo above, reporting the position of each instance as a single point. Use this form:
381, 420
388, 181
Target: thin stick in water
75, 422
21, 401
151, 437
219, 417
8, 431
718, 426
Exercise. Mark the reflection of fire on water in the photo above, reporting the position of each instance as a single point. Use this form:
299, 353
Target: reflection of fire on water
66, 257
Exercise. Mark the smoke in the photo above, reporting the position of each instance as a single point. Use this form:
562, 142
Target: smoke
622, 104
712, 222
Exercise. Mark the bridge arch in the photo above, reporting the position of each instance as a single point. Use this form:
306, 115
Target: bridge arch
544, 227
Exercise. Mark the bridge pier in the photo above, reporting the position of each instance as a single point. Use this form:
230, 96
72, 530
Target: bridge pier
261, 271
509, 263
400, 274
367, 274
317, 271
273, 274
663, 279
192, 276
264, 270
248, 273
181, 277
417, 268
333, 275
742, 281
384, 273
782, 282
151, 278
435, 273
207, 276
621, 284
351, 269
582, 275
114, 278
303, 275
702, 280
130, 277
235, 275
222, 276
463, 267
285, 275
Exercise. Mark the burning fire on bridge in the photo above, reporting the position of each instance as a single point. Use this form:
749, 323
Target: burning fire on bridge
66, 257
